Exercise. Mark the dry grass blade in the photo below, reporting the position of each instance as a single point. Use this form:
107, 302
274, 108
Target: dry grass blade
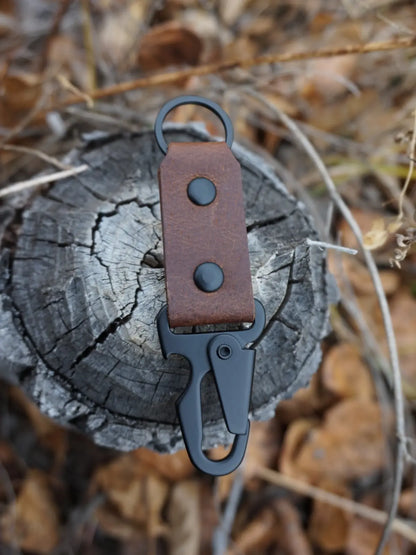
206, 69
343, 503
378, 286
35, 152
41, 180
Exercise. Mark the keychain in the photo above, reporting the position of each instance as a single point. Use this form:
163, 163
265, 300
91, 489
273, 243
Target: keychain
208, 281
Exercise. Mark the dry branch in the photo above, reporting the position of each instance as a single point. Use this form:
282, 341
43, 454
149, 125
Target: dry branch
381, 296
335, 500
206, 69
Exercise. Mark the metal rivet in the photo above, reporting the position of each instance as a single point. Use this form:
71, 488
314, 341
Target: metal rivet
208, 277
202, 191
224, 351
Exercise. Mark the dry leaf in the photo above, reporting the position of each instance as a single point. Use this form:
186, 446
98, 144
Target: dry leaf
294, 438
262, 449
344, 373
407, 505
257, 535
184, 518
116, 46
169, 44
377, 236
403, 313
305, 402
175, 466
373, 227
50, 434
32, 520
291, 537
358, 275
209, 516
364, 535
124, 483
329, 525
114, 525
19, 93
348, 445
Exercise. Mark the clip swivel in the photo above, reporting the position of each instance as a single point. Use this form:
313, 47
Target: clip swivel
224, 353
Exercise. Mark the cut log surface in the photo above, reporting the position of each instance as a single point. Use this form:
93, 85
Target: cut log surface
81, 288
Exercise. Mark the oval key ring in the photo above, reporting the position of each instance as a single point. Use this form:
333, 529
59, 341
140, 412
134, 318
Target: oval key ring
199, 101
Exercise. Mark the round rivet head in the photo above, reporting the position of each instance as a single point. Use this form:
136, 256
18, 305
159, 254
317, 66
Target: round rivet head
208, 277
202, 191
224, 352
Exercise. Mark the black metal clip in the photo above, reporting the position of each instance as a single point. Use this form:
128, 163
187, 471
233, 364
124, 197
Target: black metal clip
227, 355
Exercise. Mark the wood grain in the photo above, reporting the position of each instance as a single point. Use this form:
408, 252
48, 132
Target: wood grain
81, 287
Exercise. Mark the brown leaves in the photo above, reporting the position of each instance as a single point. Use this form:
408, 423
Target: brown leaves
169, 44
349, 444
345, 375
184, 518
32, 522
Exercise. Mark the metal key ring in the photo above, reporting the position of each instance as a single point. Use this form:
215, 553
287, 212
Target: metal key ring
190, 99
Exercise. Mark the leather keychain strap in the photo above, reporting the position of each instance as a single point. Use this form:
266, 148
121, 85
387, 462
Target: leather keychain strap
206, 259
208, 282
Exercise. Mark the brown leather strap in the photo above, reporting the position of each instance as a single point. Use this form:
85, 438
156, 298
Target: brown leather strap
194, 234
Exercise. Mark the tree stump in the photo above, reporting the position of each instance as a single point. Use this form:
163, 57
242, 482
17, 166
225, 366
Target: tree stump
84, 281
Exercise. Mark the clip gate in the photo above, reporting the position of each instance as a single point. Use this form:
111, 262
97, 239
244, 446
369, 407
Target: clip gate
227, 355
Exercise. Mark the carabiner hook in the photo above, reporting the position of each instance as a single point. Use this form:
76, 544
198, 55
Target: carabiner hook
227, 355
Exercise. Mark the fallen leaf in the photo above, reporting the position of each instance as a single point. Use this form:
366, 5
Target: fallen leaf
305, 402
19, 93
364, 535
169, 44
358, 275
257, 535
345, 374
365, 219
293, 441
403, 313
348, 445
183, 514
32, 520
377, 236
329, 525
175, 466
290, 537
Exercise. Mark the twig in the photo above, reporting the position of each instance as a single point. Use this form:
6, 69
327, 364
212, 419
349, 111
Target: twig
42, 155
348, 505
324, 245
223, 531
60, 13
388, 326
41, 180
206, 69
412, 149
88, 44
28, 118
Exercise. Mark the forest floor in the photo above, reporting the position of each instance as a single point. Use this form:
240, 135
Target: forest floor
319, 476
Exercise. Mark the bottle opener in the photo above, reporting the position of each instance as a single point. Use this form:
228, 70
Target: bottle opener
208, 281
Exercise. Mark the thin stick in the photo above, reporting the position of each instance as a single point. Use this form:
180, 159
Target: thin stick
388, 325
42, 155
411, 168
348, 505
206, 69
41, 180
325, 245
223, 531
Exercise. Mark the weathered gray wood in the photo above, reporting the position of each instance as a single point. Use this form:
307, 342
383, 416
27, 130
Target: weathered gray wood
82, 288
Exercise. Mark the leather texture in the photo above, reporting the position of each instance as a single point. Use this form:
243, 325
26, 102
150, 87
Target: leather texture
195, 234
